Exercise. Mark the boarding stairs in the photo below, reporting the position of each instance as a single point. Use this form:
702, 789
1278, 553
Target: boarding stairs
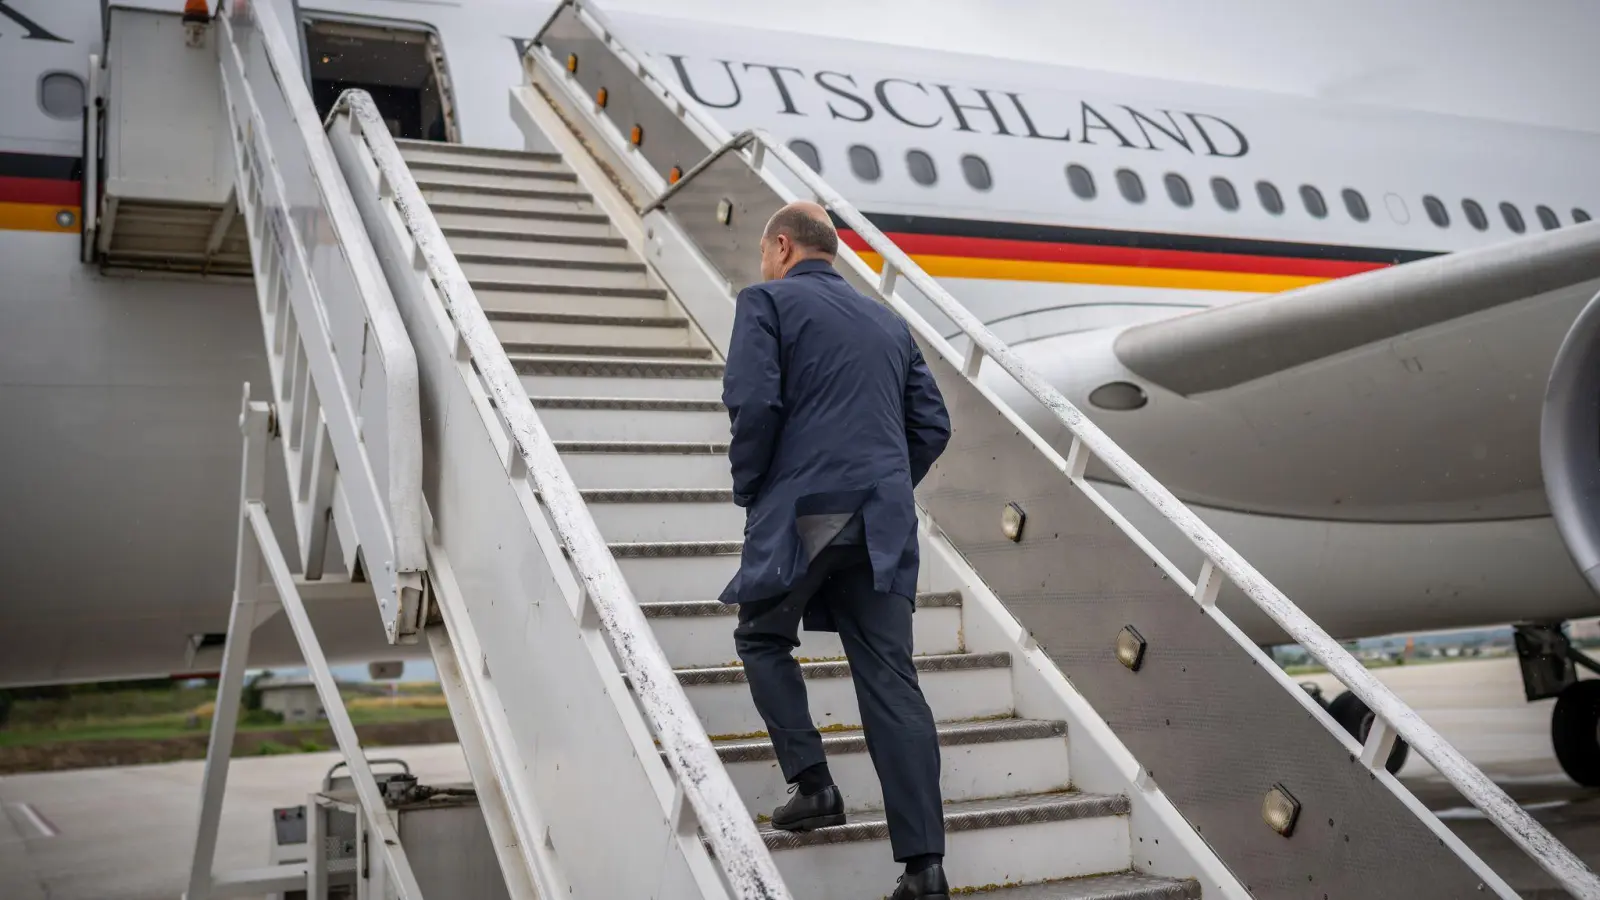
496, 380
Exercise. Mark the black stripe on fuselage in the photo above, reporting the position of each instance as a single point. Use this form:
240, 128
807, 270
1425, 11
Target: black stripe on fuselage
39, 165
1147, 240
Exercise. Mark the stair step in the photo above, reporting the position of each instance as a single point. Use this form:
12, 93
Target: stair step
480, 201
506, 221
674, 549
598, 462
451, 184
512, 271
537, 348
518, 299
415, 151
682, 629
489, 176
979, 760
621, 333
673, 516
502, 242
657, 579
958, 686
1116, 886
989, 843
596, 376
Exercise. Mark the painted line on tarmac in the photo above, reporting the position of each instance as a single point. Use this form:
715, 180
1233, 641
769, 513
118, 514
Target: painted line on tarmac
37, 819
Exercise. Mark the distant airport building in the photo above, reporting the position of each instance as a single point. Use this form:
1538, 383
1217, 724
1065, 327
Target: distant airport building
293, 698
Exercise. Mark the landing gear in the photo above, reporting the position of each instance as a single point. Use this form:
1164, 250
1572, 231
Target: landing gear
1549, 669
1354, 716
1348, 710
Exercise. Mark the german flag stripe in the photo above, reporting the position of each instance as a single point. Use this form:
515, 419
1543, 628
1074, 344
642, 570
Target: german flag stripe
39, 192
965, 248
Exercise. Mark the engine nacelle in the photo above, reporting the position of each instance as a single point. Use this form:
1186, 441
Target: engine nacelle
1569, 441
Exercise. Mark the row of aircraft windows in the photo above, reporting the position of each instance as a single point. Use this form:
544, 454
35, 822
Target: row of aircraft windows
920, 166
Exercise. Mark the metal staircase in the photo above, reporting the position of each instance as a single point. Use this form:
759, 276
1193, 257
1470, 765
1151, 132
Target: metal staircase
496, 379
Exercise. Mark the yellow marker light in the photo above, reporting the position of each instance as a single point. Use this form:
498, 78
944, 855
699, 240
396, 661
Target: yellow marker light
572, 63
1012, 518
1280, 810
636, 135
1130, 648
674, 174
600, 97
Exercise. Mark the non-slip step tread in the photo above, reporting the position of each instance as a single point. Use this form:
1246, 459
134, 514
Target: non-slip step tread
469, 150
636, 404
426, 184
530, 237
567, 290
548, 262
967, 816
603, 367
500, 212
659, 495
688, 608
675, 549
608, 352
1116, 886
432, 165
685, 448
602, 319
839, 668
951, 734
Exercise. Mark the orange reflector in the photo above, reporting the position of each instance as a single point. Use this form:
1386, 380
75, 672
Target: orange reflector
600, 97
196, 11
636, 135
572, 62
674, 174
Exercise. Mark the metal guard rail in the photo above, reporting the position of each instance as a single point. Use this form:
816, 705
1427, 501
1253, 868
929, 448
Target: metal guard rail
1392, 716
701, 778
403, 439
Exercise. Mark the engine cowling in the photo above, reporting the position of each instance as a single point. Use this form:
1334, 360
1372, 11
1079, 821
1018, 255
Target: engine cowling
1569, 441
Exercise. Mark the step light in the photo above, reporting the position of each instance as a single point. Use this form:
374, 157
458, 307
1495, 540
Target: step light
1130, 648
673, 174
725, 211
572, 63
1012, 518
1280, 810
636, 135
600, 97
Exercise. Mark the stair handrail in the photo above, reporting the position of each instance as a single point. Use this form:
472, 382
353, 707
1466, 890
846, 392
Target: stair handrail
703, 781
1393, 717
399, 501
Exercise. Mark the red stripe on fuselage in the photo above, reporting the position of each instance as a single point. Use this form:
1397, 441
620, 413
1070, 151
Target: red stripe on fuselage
51, 191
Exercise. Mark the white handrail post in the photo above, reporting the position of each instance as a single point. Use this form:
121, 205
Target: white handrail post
254, 422
1378, 745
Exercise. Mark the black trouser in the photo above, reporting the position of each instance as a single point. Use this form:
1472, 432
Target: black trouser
875, 629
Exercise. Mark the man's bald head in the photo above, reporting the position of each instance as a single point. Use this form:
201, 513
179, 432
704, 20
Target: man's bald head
807, 226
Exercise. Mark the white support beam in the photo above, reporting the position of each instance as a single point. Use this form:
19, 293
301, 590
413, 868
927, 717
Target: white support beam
253, 421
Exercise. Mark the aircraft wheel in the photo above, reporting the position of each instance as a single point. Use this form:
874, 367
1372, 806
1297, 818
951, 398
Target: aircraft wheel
1575, 731
1353, 715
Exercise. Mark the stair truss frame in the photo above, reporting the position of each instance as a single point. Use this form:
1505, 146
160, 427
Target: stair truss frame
718, 208
344, 374
611, 685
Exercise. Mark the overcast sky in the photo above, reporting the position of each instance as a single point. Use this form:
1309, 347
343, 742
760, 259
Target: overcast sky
1533, 62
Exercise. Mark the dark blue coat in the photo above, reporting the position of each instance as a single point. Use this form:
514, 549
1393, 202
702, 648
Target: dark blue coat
834, 412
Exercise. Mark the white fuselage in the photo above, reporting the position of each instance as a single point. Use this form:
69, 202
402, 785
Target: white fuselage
120, 394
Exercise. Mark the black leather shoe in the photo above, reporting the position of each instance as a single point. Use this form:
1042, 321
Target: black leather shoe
929, 884
802, 813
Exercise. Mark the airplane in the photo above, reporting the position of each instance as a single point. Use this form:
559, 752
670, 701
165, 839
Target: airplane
1327, 327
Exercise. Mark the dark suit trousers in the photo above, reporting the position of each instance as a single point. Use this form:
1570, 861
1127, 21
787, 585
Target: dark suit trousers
875, 629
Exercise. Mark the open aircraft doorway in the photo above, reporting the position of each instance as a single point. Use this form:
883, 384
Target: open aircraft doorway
402, 68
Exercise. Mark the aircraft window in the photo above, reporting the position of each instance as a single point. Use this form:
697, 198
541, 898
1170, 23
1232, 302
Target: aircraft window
920, 165
864, 163
61, 95
1437, 214
808, 154
402, 68
1475, 215
1081, 180
1312, 198
1271, 200
1227, 197
1547, 218
976, 172
1178, 190
1131, 186
1513, 217
1579, 215
1355, 204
